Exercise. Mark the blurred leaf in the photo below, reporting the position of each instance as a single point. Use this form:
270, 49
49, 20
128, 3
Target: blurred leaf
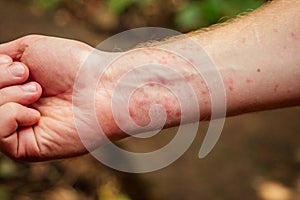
212, 11
3, 195
7, 168
189, 16
47, 4
120, 197
119, 6
196, 14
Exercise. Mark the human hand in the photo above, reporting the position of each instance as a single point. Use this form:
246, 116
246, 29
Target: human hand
16, 120
53, 63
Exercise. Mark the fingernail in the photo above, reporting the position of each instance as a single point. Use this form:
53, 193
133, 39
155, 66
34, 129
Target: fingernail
35, 112
17, 70
5, 59
30, 88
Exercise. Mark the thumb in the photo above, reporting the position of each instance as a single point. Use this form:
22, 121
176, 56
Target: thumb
16, 48
13, 115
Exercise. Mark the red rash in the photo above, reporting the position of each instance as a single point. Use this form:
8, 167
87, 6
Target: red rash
168, 108
258, 70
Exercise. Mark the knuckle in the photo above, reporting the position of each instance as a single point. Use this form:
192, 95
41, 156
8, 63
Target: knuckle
3, 97
30, 38
12, 110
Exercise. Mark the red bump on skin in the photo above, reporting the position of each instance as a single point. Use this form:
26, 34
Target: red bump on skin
288, 91
248, 80
275, 30
230, 85
81, 86
167, 99
178, 113
293, 34
140, 104
163, 61
204, 92
147, 52
276, 87
284, 47
191, 60
258, 70
167, 108
244, 40
151, 84
163, 81
206, 102
191, 77
131, 113
168, 112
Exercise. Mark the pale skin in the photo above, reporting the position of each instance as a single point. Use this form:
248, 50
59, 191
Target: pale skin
258, 61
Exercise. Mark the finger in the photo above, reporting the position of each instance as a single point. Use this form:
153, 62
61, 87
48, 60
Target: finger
13, 115
12, 74
22, 94
5, 59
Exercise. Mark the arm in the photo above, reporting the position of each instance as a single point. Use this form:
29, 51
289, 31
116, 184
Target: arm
260, 52
257, 56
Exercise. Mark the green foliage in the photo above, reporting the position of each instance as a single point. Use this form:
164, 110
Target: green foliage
47, 4
7, 168
114, 197
119, 6
188, 15
3, 195
195, 14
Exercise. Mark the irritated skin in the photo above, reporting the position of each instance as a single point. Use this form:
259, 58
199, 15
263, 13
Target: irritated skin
258, 62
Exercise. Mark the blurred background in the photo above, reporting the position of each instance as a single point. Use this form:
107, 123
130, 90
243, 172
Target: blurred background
257, 156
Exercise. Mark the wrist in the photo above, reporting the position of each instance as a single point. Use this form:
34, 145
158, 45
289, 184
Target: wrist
154, 91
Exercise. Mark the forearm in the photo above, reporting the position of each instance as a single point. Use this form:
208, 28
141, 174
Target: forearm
256, 55
260, 54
